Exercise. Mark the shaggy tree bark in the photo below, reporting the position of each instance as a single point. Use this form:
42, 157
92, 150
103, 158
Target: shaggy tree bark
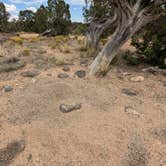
131, 15
96, 29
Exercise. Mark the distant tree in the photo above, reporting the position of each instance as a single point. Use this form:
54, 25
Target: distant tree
79, 28
4, 16
41, 19
27, 20
13, 26
59, 17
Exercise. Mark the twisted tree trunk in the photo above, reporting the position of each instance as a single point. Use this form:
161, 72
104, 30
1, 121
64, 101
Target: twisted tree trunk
131, 16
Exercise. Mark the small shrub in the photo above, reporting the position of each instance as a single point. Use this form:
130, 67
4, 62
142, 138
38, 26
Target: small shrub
81, 40
83, 48
53, 46
103, 71
9, 64
151, 43
26, 52
17, 40
41, 51
82, 55
60, 39
91, 52
104, 41
131, 59
34, 39
60, 61
66, 49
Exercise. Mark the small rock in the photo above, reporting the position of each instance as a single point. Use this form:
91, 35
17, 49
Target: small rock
34, 80
66, 68
129, 92
80, 73
8, 88
68, 108
84, 62
63, 75
130, 110
126, 74
30, 73
49, 74
137, 79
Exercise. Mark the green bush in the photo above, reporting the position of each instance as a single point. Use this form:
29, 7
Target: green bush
131, 58
152, 43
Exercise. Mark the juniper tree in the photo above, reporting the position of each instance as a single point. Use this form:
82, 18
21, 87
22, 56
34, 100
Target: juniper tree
128, 17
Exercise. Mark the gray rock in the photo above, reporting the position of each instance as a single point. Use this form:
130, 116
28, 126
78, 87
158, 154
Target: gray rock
137, 79
129, 92
8, 88
68, 108
11, 151
63, 75
30, 73
80, 73
66, 68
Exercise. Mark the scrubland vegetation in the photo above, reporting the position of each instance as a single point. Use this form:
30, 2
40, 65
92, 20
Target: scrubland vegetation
84, 94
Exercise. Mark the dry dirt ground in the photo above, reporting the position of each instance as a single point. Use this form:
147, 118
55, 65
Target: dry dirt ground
111, 128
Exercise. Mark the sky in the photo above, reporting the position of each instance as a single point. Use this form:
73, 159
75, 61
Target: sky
14, 6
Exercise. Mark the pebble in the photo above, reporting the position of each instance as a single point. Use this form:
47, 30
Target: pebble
137, 79
130, 110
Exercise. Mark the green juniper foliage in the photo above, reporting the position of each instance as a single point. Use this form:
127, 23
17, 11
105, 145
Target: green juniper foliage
152, 43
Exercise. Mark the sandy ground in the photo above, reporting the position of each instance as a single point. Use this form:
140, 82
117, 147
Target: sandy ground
33, 131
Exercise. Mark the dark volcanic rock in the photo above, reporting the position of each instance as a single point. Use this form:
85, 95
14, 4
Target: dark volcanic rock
10, 152
129, 92
63, 75
66, 68
80, 73
8, 88
30, 73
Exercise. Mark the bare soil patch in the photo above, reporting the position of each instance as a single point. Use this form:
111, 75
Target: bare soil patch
100, 132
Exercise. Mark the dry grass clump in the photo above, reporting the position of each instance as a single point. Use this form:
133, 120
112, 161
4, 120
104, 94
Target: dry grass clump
9, 53
10, 49
10, 63
103, 70
41, 51
83, 48
160, 133
26, 52
34, 39
137, 154
60, 60
17, 40
47, 62
81, 40
60, 39
66, 49
27, 36
104, 41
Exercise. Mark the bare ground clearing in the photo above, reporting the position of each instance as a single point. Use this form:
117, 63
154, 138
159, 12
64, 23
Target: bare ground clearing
111, 129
